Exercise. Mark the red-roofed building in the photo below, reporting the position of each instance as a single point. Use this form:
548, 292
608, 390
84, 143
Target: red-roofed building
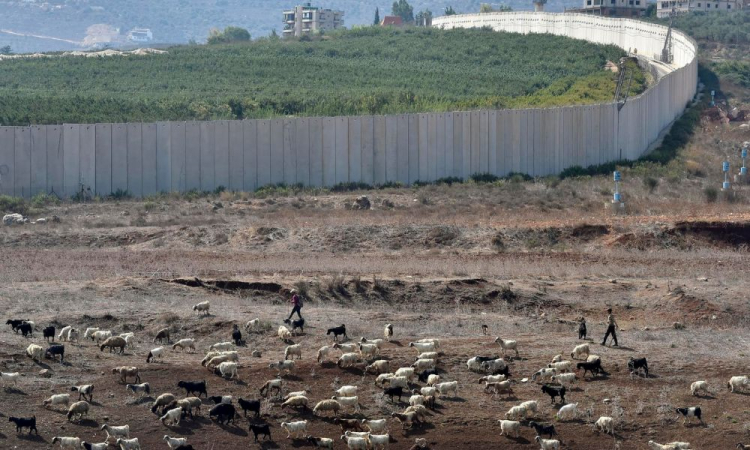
392, 21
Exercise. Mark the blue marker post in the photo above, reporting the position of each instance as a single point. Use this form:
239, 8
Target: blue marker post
617, 205
713, 95
743, 169
725, 168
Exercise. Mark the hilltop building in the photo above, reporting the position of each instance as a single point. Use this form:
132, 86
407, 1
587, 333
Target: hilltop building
613, 8
140, 35
392, 21
665, 8
306, 19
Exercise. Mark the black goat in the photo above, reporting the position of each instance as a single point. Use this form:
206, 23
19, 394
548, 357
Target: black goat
24, 422
397, 391
543, 428
582, 330
637, 363
26, 329
198, 387
224, 413
299, 323
185, 447
554, 391
15, 323
55, 350
690, 412
259, 430
337, 331
595, 367
237, 336
49, 332
249, 405
425, 374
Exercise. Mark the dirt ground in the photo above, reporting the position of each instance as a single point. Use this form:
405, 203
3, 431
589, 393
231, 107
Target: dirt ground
430, 270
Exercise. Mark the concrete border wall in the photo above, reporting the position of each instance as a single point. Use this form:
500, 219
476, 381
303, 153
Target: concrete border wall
245, 155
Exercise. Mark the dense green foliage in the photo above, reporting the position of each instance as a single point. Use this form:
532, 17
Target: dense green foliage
403, 9
364, 71
737, 72
229, 35
728, 28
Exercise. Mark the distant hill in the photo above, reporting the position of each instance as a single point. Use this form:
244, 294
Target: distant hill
52, 25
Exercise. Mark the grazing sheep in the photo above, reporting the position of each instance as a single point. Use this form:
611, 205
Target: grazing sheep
697, 386
447, 387
492, 379
227, 368
114, 342
543, 428
606, 425
284, 333
101, 335
187, 343
348, 401
738, 382
416, 399
202, 307
379, 441
350, 347
224, 413
327, 405
252, 325
162, 400
676, 446
637, 364
220, 358
83, 391
378, 367
423, 364
157, 352
580, 350
379, 342
419, 409
139, 388
125, 372
88, 334
35, 352
337, 331
320, 442
348, 360
162, 335
694, 411
356, 443
298, 428
433, 379
293, 350
428, 391
431, 340
299, 401
296, 394
568, 412
368, 350
423, 346
407, 372
270, 386
188, 404
408, 420
58, 399
510, 428
516, 412
565, 379
428, 355
402, 382
531, 407
174, 443
348, 424
129, 339
282, 366
548, 444
382, 378
116, 432
173, 416
544, 373
128, 444
495, 366
562, 366
501, 387
63, 336
592, 358
375, 425
259, 430
49, 332
346, 391
67, 442
222, 346
507, 345
554, 391
78, 409
9, 377
323, 352
198, 387
100, 446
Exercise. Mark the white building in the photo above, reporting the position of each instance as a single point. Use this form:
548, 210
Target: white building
306, 19
613, 8
140, 35
666, 7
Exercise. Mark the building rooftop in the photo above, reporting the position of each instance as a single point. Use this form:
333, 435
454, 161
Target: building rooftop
392, 21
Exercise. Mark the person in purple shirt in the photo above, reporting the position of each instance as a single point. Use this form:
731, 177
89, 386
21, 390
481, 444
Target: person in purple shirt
296, 302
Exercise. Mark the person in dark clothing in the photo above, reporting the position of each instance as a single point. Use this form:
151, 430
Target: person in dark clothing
611, 327
296, 302
582, 329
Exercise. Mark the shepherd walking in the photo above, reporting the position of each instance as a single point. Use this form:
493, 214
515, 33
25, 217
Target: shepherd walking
611, 327
296, 302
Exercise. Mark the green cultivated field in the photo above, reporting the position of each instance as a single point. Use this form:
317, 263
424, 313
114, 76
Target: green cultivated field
363, 71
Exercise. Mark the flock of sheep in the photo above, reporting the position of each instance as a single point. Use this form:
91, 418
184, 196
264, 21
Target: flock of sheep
421, 382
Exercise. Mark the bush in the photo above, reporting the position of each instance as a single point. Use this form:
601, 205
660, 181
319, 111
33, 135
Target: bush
350, 186
11, 205
230, 34
43, 200
651, 183
484, 178
120, 194
711, 194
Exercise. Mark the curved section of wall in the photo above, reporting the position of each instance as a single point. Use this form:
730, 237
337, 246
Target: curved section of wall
244, 155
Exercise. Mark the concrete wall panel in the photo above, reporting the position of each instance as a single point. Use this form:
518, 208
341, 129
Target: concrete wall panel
476, 142
439, 146
207, 146
515, 143
484, 142
492, 142
302, 152
423, 146
7, 160
458, 144
342, 150
71, 159
87, 158
316, 151
392, 147
38, 160
178, 162
164, 156
290, 151
403, 149
368, 149
379, 142
148, 155
55, 160
22, 152
412, 160
250, 155
466, 138
103, 159
431, 147
264, 153
221, 154
449, 140
193, 156
355, 149
236, 155
135, 159
120, 157
329, 151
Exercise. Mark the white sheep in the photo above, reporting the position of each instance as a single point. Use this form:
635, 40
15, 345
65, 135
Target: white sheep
67, 442
738, 382
381, 379
63, 335
433, 379
378, 342
157, 352
143, 388
565, 379
327, 405
428, 355
548, 444
59, 399
567, 412
408, 372
507, 345
101, 335
423, 364
606, 425
431, 341
282, 366
531, 407
388, 331
592, 358
129, 340
128, 444
395, 381
284, 333
296, 394
492, 379
35, 352
557, 358
348, 402
220, 358
89, 331
222, 346
699, 386
173, 416
9, 377
501, 387
228, 368
184, 344
349, 347
271, 385
296, 402
580, 350
174, 443
380, 366
127, 371
416, 399
122, 431
562, 366
375, 425
429, 391
252, 325
348, 360
162, 400
90, 446
293, 350
494, 365
379, 441
671, 446
78, 409
447, 387
368, 350
346, 391
71, 335
202, 307
516, 412
356, 443
423, 346
323, 353
510, 428
544, 373
298, 428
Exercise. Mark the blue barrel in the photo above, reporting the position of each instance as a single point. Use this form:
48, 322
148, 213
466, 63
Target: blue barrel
725, 166
617, 197
743, 170
617, 176
744, 153
725, 185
